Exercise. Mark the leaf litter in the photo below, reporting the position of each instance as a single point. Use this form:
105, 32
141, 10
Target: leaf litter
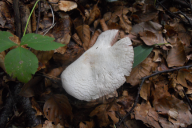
162, 103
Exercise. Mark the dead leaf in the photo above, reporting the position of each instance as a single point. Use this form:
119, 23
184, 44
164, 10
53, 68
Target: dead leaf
184, 75
6, 20
160, 88
103, 112
107, 16
149, 26
94, 14
94, 38
103, 25
58, 109
84, 34
72, 53
145, 90
125, 24
148, 37
36, 106
143, 69
2, 57
177, 111
157, 57
67, 5
176, 56
33, 87
147, 114
87, 124
77, 39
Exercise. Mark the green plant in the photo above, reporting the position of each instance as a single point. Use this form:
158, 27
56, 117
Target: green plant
20, 62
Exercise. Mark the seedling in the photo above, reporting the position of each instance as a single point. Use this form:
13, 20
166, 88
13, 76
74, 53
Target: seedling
20, 62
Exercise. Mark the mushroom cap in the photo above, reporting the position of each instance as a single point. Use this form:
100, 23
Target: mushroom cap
101, 69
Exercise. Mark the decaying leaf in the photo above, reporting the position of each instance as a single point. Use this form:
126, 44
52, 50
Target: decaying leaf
176, 110
148, 37
103, 112
176, 56
149, 26
67, 5
87, 124
94, 14
147, 114
143, 69
184, 75
2, 57
145, 90
58, 109
84, 34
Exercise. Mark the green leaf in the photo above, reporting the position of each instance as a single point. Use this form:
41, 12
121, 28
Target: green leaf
5, 42
140, 53
21, 63
39, 42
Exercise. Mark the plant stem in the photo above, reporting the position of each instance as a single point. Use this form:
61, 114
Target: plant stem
30, 17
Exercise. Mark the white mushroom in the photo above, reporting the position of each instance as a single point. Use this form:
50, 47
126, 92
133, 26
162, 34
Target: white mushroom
101, 69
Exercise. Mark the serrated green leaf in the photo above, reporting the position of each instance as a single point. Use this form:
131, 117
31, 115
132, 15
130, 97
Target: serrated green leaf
21, 63
5, 42
140, 53
39, 42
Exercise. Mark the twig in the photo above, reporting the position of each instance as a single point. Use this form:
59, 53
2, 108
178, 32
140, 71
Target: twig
143, 79
53, 22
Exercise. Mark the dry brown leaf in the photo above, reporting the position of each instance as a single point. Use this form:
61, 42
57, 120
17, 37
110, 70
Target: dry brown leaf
6, 20
87, 124
145, 90
94, 14
33, 87
84, 34
62, 32
143, 69
163, 66
184, 75
149, 26
177, 111
160, 88
183, 34
49, 124
103, 112
103, 25
36, 106
157, 57
72, 53
58, 109
148, 37
94, 38
67, 5
125, 24
147, 114
96, 23
176, 56
146, 13
77, 39
125, 101
2, 57
107, 16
